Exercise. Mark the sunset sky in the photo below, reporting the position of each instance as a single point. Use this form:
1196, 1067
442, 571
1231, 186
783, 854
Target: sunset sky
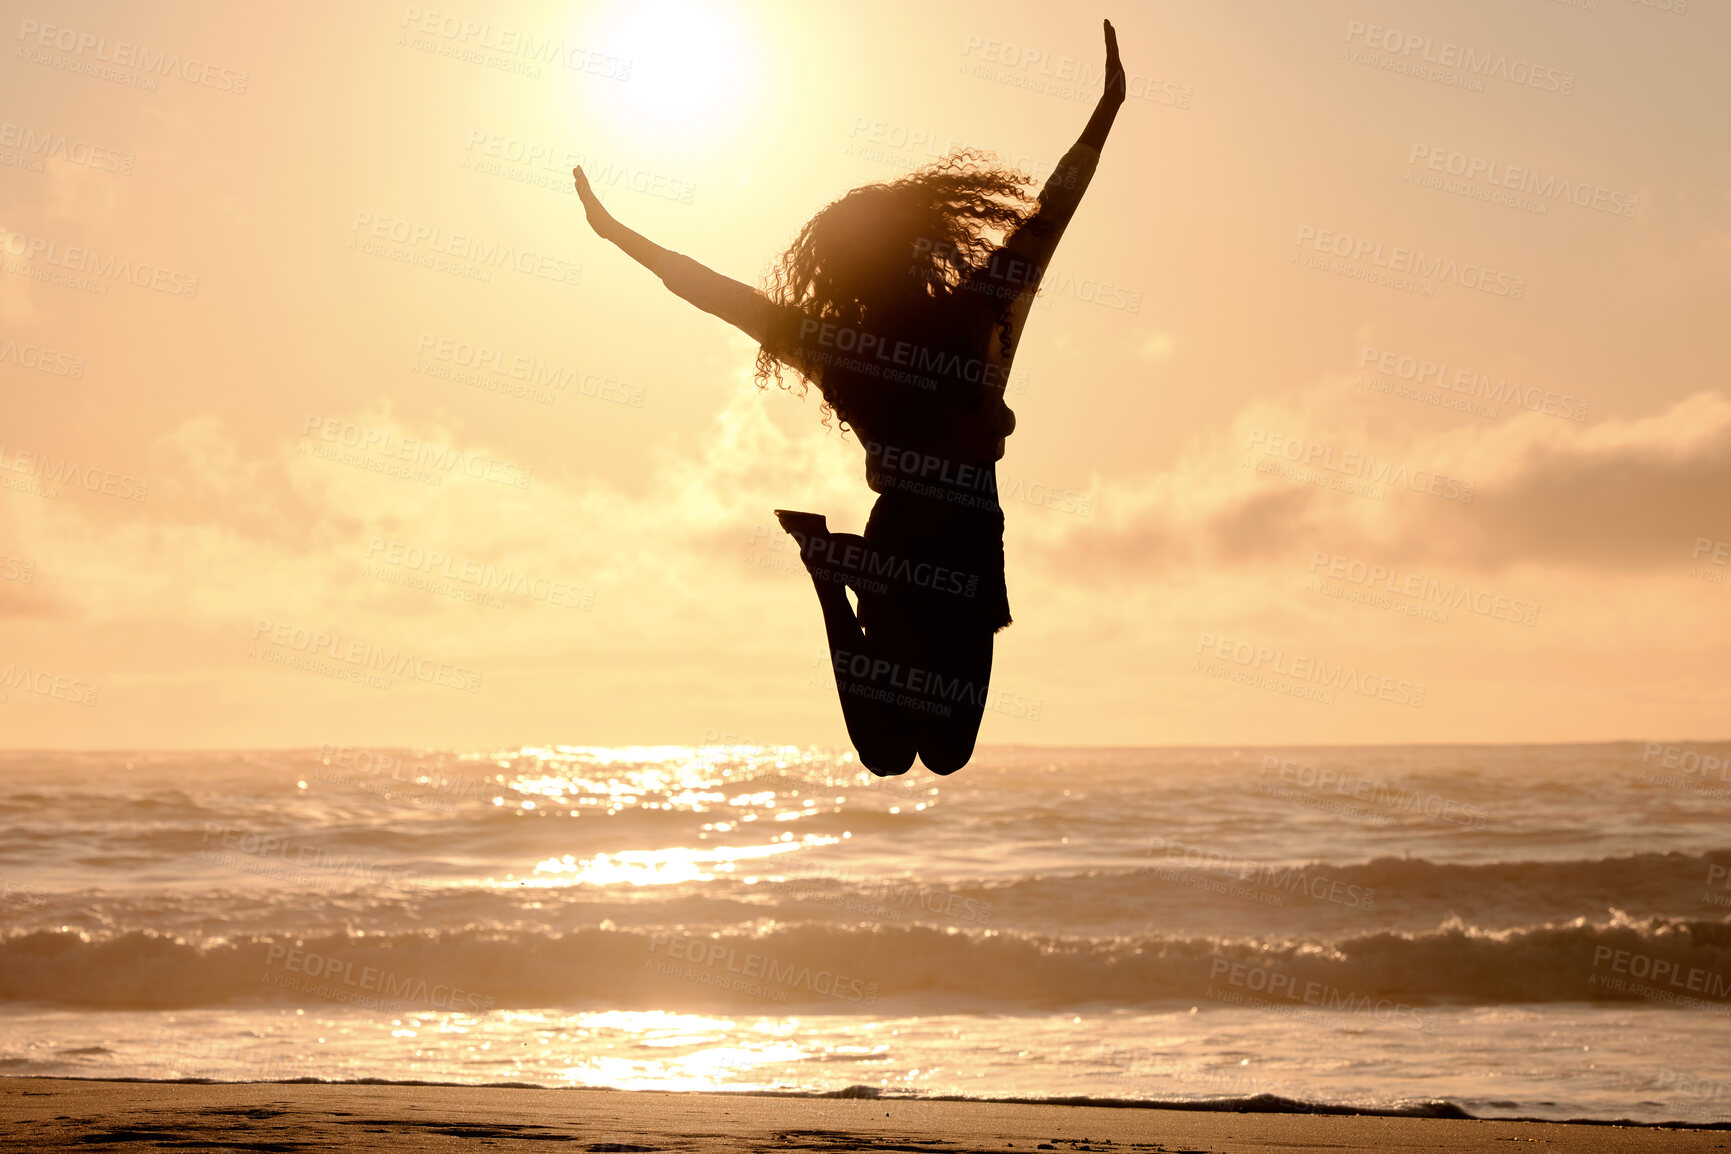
296, 300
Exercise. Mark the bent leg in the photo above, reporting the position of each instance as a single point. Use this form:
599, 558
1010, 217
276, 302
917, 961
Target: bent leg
883, 732
912, 672
935, 664
963, 657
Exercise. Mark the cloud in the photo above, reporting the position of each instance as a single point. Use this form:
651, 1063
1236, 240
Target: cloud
237, 528
1617, 496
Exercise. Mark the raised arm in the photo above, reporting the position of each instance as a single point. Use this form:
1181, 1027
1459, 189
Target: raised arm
737, 304
1014, 271
1094, 135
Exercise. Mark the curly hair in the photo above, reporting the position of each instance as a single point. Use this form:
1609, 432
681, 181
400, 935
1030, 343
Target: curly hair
893, 254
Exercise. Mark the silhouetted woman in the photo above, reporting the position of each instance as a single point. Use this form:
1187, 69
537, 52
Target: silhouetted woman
896, 303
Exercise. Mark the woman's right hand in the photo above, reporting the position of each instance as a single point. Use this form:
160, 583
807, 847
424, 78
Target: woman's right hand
599, 218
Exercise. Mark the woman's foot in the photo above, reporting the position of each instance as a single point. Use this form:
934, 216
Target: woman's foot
830, 558
823, 553
802, 524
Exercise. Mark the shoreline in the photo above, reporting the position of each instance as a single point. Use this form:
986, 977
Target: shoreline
50, 1114
865, 1101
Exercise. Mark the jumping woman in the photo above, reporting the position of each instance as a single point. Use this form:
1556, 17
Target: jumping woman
897, 304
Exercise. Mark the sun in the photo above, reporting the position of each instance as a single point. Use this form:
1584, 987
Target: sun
694, 65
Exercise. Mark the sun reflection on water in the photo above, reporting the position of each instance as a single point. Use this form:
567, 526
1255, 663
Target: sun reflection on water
694, 813
724, 1049
740, 783
663, 866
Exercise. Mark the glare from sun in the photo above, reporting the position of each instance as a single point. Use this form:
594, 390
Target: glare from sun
692, 71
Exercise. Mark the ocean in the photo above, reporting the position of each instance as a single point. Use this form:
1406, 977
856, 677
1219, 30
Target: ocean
1504, 931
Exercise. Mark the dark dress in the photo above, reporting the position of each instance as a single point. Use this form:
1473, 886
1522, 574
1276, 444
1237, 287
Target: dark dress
952, 532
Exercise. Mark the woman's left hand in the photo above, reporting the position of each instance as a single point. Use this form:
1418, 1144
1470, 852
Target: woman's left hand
1115, 83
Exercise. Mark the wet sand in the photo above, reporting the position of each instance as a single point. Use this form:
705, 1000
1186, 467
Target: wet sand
47, 1114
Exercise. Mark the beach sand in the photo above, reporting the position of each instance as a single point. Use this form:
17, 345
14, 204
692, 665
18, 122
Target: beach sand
46, 1114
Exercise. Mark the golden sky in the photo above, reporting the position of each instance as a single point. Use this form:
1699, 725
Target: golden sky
1377, 393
